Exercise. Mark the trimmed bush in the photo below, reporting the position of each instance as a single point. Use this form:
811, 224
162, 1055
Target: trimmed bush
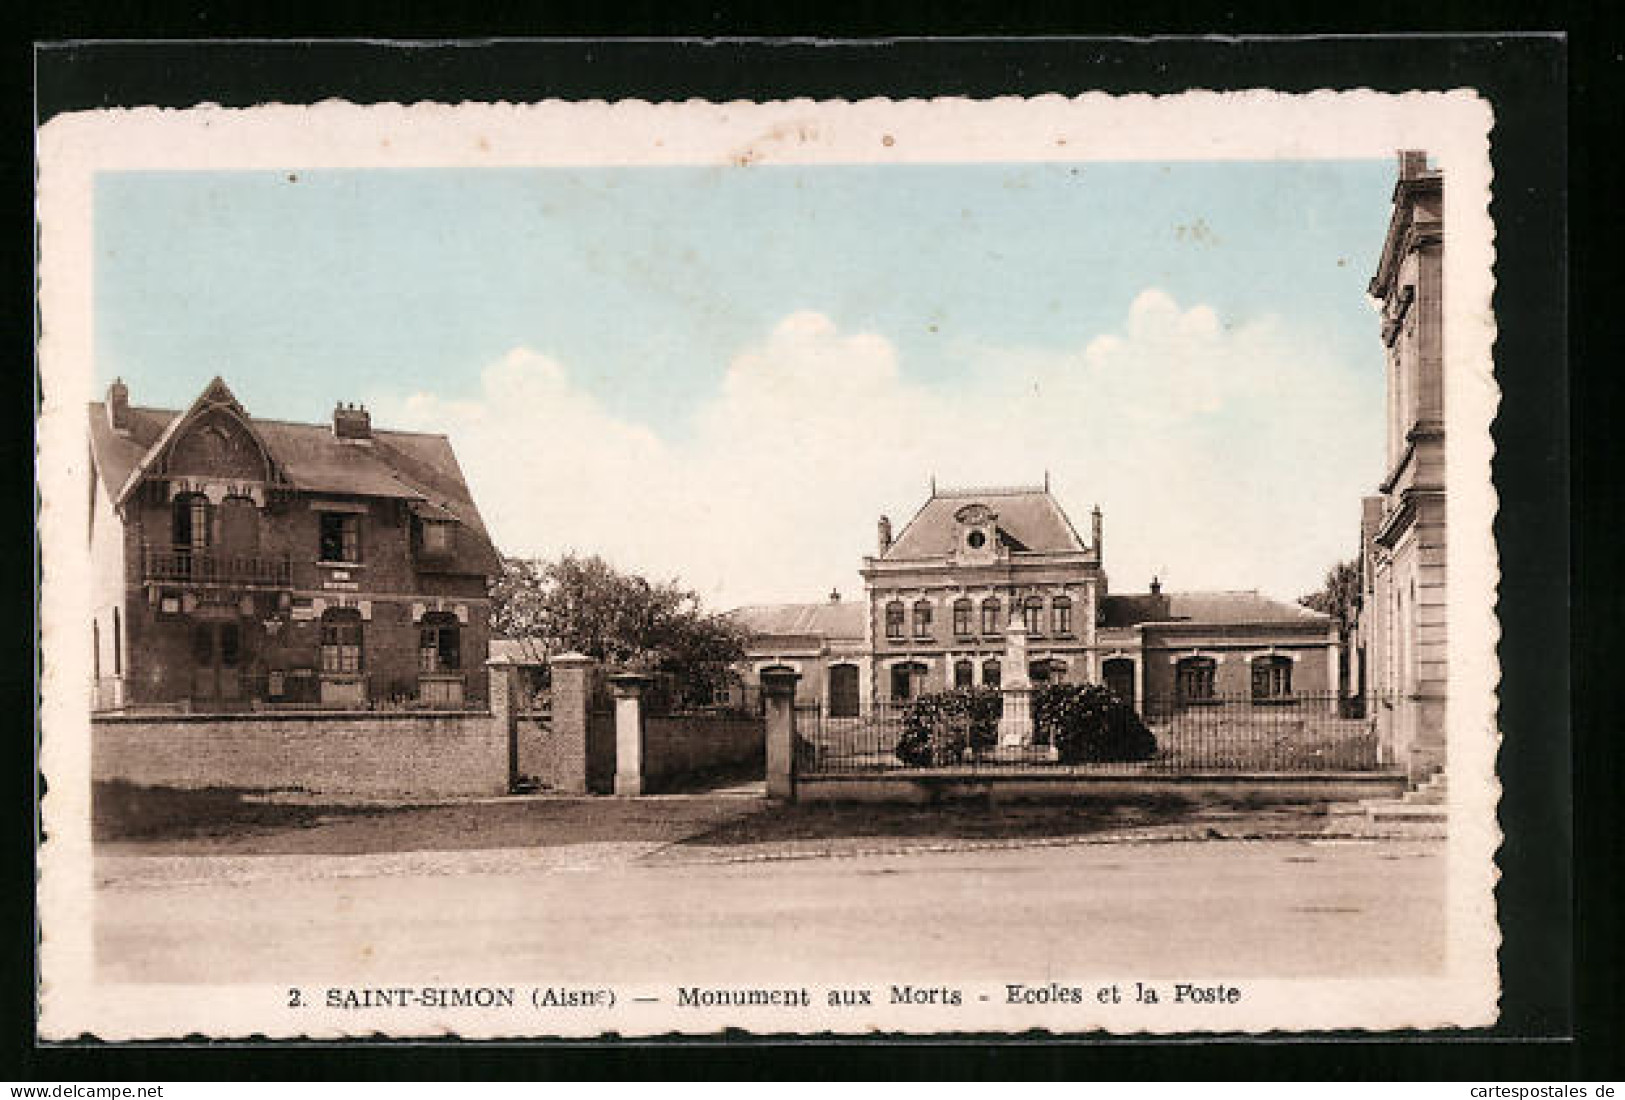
1089, 725
939, 727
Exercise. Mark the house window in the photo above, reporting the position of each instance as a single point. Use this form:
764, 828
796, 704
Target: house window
341, 537
439, 647
990, 616
436, 537
239, 525
990, 674
1060, 614
962, 609
1194, 677
922, 619
1272, 678
894, 620
341, 641
118, 644
907, 680
964, 674
190, 521
1118, 672
1032, 615
95, 650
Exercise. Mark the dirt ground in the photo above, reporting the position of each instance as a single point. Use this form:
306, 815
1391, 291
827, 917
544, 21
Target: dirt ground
708, 827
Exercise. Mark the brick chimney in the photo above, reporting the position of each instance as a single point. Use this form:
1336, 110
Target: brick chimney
352, 422
834, 595
885, 535
1095, 529
118, 406
1161, 606
1413, 164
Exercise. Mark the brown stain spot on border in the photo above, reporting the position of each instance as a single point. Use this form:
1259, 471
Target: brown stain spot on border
887, 140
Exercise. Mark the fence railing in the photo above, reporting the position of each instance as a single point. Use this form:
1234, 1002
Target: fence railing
183, 566
1304, 732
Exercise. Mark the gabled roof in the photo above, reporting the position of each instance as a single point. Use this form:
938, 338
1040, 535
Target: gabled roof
828, 620
1028, 519
1206, 609
216, 395
412, 466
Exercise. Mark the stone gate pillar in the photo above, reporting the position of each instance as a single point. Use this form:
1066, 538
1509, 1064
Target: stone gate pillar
779, 694
571, 674
629, 688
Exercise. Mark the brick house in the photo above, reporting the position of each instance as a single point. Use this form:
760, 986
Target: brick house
246, 564
1402, 629
940, 596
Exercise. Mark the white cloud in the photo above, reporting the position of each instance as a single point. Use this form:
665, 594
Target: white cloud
1222, 455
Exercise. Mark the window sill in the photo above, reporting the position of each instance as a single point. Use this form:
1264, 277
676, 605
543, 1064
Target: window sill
339, 564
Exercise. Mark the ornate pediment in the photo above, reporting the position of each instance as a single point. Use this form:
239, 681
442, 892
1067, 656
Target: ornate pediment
217, 444
974, 515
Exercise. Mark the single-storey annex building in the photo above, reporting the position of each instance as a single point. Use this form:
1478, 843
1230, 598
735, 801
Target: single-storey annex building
245, 564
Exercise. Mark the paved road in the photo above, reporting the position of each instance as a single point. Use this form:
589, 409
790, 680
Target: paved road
606, 913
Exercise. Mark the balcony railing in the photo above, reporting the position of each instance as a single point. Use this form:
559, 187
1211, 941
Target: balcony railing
168, 565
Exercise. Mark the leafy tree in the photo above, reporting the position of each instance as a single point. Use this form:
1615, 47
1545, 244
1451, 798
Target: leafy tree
1339, 597
586, 605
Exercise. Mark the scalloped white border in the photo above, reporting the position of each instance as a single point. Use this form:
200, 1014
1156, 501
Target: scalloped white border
1198, 125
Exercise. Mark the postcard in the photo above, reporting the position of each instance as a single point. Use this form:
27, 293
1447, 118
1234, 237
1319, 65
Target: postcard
574, 569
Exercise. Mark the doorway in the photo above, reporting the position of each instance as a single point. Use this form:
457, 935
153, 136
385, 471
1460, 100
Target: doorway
217, 659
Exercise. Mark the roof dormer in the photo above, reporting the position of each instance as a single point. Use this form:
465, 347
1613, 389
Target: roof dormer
977, 541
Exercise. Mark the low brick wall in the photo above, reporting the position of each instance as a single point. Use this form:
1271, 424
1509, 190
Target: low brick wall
374, 754
549, 755
695, 744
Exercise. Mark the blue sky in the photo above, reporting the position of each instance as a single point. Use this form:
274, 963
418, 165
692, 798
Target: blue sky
645, 287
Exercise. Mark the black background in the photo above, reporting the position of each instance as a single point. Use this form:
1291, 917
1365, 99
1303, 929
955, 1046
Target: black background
1555, 987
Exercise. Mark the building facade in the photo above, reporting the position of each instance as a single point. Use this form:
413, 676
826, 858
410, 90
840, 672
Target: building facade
243, 564
940, 596
1402, 624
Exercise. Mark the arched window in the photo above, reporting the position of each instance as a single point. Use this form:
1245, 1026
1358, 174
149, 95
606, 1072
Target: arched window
1032, 615
962, 614
990, 616
439, 643
894, 619
239, 526
843, 691
964, 674
1194, 678
190, 516
1060, 614
341, 640
990, 673
1118, 673
907, 680
922, 619
1046, 670
1272, 678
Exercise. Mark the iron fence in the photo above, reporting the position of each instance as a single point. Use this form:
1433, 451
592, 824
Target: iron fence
1301, 733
